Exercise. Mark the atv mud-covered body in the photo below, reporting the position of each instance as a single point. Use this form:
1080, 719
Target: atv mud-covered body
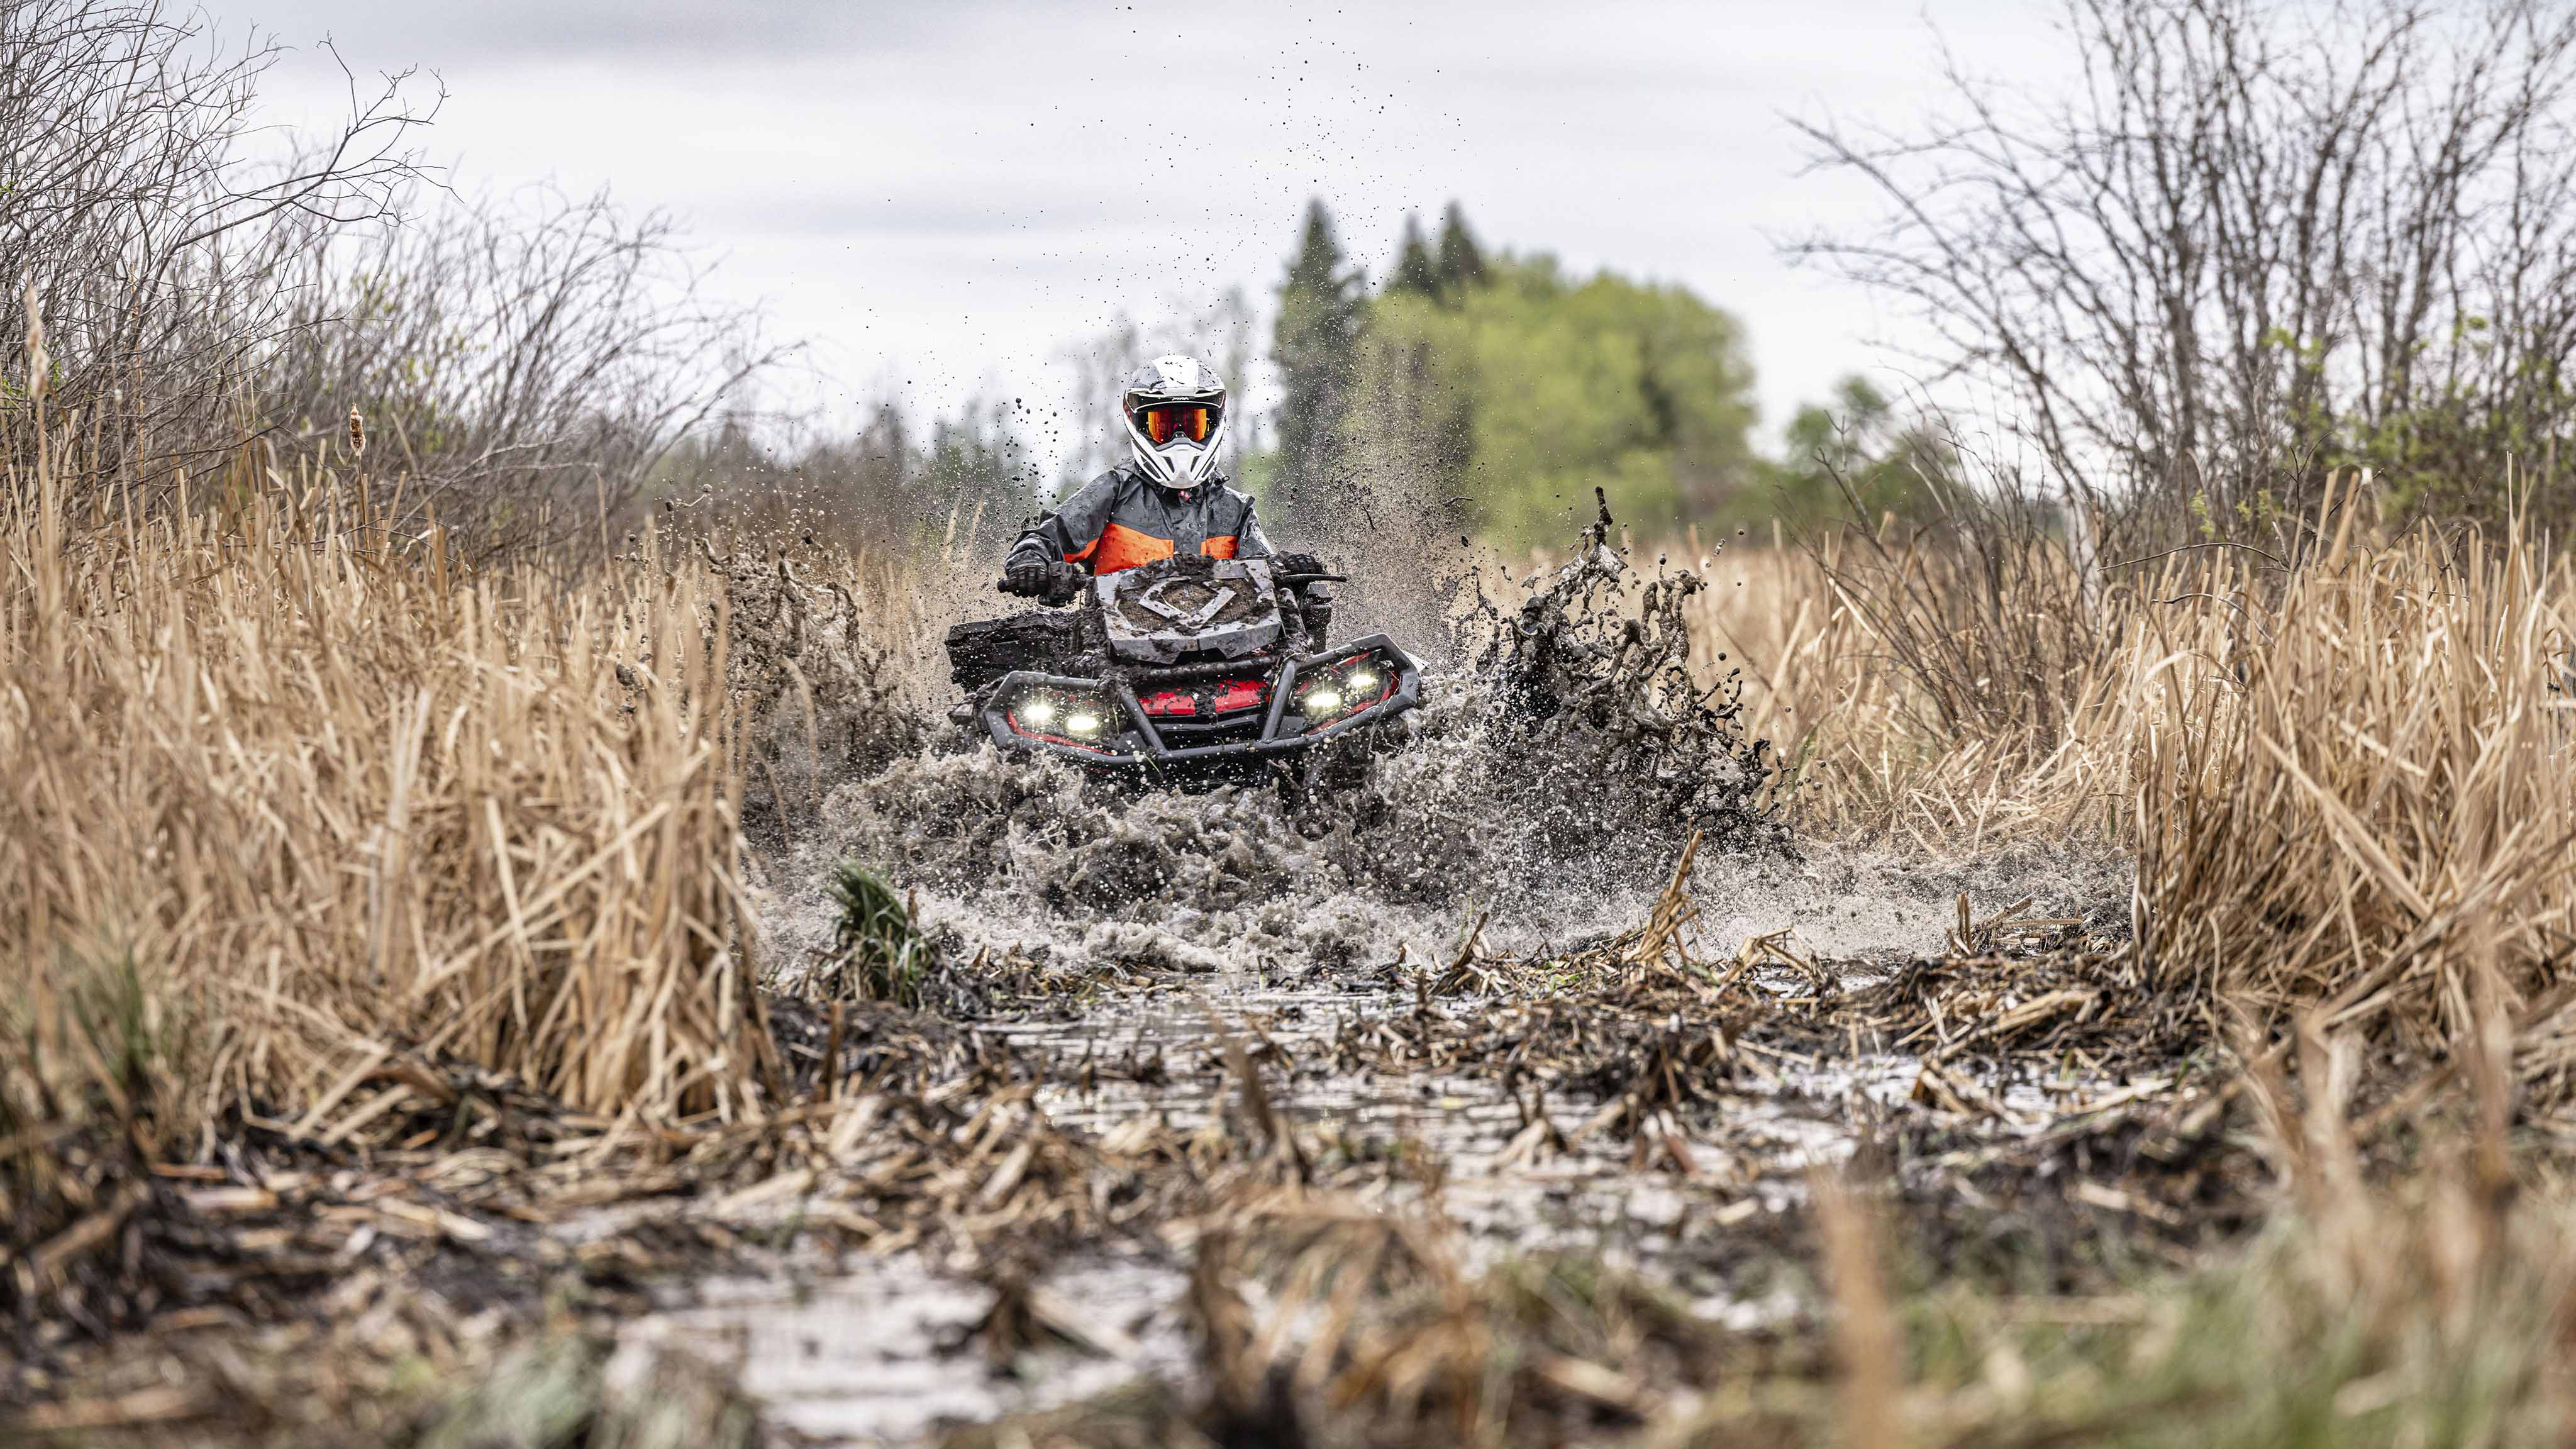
1183, 663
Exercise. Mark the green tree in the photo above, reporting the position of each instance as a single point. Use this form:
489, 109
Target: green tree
1320, 310
1527, 392
1414, 270
1461, 266
1855, 449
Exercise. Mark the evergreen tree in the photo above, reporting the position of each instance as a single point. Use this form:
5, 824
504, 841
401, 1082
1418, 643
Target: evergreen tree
1462, 263
1414, 270
1319, 322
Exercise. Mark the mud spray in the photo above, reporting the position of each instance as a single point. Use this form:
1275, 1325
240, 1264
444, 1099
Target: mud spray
1536, 804
1562, 758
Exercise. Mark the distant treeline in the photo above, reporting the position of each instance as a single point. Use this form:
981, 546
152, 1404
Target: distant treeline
1467, 392
1509, 391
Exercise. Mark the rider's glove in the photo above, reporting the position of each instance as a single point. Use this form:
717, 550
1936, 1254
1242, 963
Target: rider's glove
1026, 577
1037, 578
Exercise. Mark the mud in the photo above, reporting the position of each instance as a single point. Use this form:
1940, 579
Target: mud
1424, 965
1703, 1192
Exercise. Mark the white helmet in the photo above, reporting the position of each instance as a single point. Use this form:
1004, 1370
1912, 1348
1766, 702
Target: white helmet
1174, 411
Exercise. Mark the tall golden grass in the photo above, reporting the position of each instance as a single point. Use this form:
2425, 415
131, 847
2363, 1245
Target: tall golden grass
2346, 774
292, 806
2355, 787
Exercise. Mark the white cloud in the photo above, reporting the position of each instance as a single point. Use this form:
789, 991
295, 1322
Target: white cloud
949, 195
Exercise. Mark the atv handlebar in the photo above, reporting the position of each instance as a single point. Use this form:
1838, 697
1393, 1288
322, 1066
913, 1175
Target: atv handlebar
1059, 583
1048, 582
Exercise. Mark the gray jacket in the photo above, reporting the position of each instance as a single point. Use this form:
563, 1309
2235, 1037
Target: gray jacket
1120, 519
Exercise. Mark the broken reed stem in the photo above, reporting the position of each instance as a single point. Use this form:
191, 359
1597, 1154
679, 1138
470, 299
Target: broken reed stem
1867, 1344
1672, 914
832, 1050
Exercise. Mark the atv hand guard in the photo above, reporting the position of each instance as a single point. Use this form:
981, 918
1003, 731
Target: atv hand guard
1123, 722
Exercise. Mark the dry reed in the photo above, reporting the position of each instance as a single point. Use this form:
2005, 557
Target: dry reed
294, 806
2344, 774
2354, 788
1870, 751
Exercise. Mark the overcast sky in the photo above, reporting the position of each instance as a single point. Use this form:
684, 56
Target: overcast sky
943, 198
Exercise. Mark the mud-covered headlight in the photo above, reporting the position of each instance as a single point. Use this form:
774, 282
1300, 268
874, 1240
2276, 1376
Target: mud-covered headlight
1331, 692
1074, 717
1059, 712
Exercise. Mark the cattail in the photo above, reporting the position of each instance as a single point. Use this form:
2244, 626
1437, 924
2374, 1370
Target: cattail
357, 434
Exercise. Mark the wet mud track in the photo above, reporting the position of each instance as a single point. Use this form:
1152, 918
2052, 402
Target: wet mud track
1655, 1100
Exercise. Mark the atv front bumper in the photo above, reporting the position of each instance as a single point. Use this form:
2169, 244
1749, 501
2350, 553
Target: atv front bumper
1205, 712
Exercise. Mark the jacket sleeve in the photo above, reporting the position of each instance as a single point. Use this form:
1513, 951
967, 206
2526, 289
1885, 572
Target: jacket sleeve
1069, 531
1249, 541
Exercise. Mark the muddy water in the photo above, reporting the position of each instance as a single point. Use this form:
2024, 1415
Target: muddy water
1286, 920
882, 1351
871, 1351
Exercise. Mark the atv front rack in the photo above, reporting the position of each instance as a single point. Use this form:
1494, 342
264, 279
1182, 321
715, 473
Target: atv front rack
1204, 712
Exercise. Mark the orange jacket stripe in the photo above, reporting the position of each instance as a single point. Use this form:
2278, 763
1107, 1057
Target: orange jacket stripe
1121, 547
1219, 547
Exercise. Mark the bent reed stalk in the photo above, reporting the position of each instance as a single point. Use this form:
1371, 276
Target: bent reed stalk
293, 805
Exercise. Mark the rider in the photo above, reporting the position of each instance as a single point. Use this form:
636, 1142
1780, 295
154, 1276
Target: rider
1168, 498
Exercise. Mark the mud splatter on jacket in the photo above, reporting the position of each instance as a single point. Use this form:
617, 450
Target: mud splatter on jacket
1120, 519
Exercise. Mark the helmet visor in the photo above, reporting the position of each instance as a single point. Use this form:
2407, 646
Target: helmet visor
1166, 422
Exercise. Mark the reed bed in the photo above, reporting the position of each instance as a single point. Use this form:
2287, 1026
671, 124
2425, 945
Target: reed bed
294, 806
1967, 746
2359, 797
2344, 772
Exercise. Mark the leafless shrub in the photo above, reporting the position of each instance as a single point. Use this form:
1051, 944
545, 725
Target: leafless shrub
961, 491
533, 356
139, 230
2253, 242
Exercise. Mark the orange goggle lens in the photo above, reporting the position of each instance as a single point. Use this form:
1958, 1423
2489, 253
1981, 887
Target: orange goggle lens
1164, 422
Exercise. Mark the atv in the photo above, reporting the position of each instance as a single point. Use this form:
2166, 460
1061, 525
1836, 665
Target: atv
1179, 666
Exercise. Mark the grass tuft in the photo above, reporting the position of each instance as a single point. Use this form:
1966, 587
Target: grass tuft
877, 952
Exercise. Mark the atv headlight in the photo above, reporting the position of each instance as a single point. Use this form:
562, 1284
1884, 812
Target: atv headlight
1054, 713
1332, 692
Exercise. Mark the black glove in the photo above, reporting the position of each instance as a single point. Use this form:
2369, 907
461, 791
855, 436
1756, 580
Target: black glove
1036, 578
1026, 577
